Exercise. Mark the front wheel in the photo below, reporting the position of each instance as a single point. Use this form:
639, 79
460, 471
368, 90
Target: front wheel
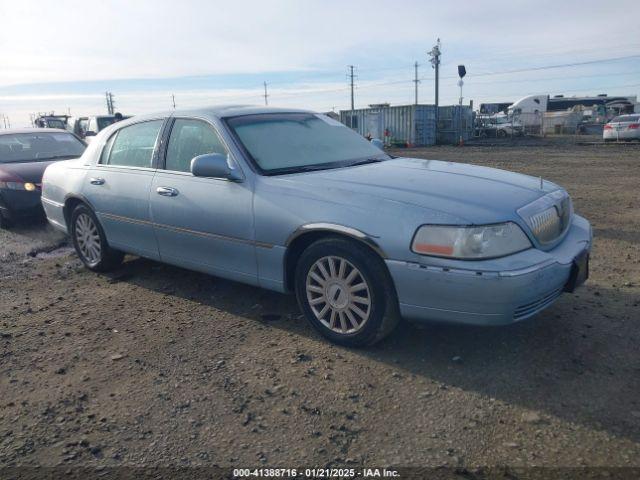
5, 223
90, 241
346, 293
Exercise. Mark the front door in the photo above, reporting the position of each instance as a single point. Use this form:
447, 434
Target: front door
202, 223
118, 187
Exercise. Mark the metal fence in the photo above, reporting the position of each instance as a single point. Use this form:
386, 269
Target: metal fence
531, 124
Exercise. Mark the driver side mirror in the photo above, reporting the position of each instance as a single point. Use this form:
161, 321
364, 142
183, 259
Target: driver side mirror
378, 143
214, 165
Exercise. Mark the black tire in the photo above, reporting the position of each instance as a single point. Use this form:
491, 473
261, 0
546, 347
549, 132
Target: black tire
107, 258
501, 133
382, 309
5, 223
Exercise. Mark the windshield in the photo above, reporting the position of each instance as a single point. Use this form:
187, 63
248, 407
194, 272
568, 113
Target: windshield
291, 142
33, 147
55, 123
104, 122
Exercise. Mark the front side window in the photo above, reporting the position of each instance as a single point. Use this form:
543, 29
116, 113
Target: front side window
132, 146
190, 138
290, 142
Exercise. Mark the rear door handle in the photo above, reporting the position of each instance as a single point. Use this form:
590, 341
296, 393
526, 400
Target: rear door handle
96, 181
167, 191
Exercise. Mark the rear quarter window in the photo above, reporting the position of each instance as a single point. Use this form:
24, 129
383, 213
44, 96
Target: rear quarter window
132, 146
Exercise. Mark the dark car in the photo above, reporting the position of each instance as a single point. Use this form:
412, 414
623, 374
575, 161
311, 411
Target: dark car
51, 121
24, 155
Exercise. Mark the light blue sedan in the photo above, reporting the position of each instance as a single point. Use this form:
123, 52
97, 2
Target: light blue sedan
294, 201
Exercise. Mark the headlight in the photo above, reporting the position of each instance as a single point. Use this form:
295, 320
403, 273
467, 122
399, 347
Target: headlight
30, 187
18, 186
487, 241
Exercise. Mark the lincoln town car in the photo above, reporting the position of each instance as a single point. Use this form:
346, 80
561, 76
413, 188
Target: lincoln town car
294, 201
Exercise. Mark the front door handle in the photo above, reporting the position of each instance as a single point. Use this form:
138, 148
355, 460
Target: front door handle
167, 191
96, 181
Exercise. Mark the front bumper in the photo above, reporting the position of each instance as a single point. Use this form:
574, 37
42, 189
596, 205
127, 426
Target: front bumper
489, 292
20, 203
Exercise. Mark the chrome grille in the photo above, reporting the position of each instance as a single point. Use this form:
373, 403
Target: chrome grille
546, 225
549, 216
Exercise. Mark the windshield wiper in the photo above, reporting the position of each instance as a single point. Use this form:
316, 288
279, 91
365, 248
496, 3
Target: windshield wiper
324, 166
58, 157
301, 168
366, 161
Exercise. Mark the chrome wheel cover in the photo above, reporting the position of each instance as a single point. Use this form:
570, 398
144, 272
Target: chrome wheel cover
88, 239
338, 295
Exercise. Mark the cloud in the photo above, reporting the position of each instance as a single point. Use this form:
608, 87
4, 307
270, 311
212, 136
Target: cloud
292, 44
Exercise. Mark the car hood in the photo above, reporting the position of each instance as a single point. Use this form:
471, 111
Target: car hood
458, 192
26, 171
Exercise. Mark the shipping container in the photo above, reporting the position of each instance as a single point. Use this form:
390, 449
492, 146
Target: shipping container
403, 125
455, 122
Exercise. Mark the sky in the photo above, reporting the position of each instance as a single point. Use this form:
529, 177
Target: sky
63, 56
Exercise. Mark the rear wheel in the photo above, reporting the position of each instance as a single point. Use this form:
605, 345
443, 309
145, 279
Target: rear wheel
90, 241
346, 292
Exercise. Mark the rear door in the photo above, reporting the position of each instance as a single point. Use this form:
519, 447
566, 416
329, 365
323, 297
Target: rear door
118, 187
202, 223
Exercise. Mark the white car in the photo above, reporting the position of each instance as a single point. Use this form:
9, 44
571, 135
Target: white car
623, 127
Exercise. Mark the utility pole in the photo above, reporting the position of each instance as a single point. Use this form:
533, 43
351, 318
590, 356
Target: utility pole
435, 62
415, 80
173, 100
266, 96
110, 104
351, 77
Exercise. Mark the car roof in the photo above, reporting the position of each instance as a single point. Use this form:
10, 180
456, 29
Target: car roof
223, 111
11, 131
220, 111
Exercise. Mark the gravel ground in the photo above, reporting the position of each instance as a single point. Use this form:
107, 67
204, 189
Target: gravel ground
155, 365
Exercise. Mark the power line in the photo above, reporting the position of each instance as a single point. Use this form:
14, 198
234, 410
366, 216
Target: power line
550, 67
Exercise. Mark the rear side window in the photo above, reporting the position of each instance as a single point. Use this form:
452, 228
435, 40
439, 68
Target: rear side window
132, 146
190, 138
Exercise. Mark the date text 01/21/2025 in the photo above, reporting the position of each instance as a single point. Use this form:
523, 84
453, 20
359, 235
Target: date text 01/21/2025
315, 473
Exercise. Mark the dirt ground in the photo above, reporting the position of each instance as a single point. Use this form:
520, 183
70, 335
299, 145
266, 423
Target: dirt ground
155, 365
